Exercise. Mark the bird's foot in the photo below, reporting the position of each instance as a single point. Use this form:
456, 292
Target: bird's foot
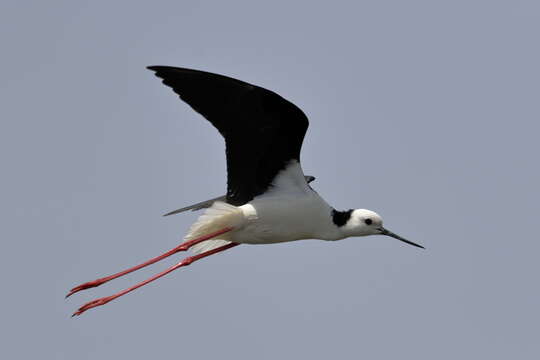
93, 304
87, 285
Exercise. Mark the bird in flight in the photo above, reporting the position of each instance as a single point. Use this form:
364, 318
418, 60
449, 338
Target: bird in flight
269, 199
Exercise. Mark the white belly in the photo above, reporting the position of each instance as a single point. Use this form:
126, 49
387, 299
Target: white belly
274, 219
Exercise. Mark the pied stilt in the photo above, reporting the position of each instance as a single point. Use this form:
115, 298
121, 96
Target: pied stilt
268, 197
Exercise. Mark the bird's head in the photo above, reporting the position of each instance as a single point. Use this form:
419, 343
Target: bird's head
364, 222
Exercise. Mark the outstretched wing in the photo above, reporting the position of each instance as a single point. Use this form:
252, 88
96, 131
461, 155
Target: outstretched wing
263, 132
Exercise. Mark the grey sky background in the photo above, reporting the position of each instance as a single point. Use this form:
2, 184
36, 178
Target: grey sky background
424, 111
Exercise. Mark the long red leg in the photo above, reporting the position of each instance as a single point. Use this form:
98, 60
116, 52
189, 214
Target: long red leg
185, 262
182, 247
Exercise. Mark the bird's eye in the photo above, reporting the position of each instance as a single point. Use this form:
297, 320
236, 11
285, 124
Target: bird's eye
368, 221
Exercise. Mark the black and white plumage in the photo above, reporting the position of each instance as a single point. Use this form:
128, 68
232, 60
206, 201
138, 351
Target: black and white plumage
268, 197
207, 203
262, 131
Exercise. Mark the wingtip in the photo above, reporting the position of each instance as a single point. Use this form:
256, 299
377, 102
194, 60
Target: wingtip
174, 212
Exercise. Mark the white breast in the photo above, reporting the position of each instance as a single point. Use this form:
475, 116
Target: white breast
289, 211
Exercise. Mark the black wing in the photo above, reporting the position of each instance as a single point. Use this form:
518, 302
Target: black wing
262, 130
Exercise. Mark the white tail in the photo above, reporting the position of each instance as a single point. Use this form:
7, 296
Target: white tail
220, 215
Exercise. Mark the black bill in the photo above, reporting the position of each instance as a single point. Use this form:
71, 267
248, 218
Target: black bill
396, 236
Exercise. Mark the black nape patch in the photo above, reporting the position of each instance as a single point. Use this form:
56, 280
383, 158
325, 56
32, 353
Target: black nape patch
340, 218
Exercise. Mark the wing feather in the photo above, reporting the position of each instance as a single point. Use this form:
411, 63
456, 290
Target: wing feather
262, 130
